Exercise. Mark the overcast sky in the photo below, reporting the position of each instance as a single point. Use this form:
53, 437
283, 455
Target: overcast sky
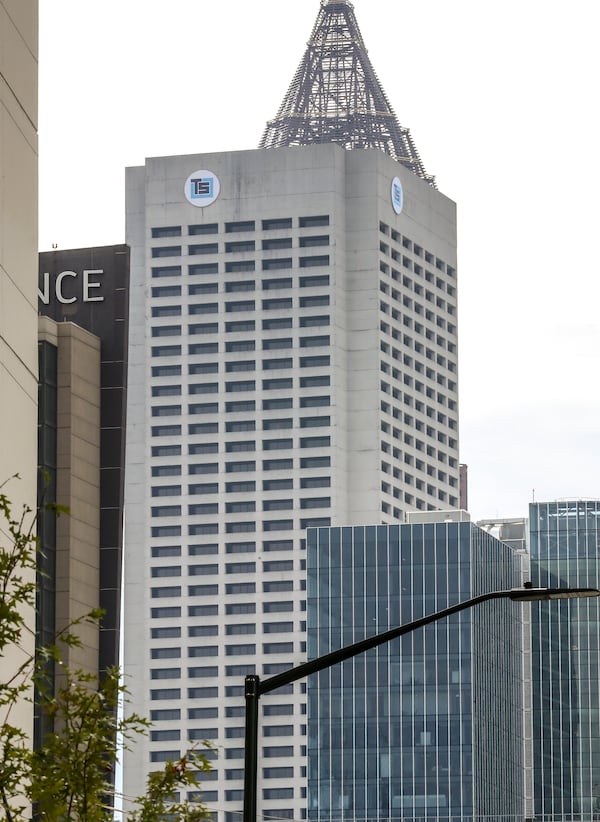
502, 103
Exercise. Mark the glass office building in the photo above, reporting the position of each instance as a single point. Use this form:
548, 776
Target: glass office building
427, 727
564, 545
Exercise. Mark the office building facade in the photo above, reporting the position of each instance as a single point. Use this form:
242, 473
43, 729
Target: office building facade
429, 726
83, 300
565, 551
292, 364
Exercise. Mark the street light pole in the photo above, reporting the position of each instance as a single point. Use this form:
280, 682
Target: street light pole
255, 687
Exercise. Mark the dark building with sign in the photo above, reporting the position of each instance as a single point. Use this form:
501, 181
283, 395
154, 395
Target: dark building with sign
83, 329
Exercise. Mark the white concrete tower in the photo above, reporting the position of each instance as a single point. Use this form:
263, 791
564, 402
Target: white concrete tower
292, 363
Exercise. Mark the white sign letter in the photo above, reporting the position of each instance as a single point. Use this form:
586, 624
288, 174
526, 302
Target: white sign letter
59, 294
87, 286
44, 296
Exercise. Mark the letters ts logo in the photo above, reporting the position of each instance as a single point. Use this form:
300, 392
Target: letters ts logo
202, 188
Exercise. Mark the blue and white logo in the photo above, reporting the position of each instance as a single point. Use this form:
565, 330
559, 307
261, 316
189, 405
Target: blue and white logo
397, 195
202, 188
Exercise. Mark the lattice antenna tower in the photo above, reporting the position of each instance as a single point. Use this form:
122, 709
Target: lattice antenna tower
336, 96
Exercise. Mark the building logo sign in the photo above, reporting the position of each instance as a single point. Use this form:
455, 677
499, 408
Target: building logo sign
397, 195
202, 188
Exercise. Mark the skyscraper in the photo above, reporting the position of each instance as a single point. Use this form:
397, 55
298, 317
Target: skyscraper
293, 363
565, 551
428, 726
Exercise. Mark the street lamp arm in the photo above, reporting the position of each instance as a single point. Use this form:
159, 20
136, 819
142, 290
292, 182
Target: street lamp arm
313, 666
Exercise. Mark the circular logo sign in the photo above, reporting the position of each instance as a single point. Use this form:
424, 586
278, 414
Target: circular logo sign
397, 195
202, 188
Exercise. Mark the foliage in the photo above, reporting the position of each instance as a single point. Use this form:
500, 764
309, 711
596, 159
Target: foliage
70, 776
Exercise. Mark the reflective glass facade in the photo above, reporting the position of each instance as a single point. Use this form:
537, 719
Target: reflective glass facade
565, 544
428, 726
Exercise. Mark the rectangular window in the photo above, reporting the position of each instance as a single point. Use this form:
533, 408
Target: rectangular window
242, 225
165, 311
235, 426
240, 527
203, 590
167, 251
197, 289
203, 671
202, 610
240, 406
166, 231
278, 545
173, 612
277, 465
315, 362
278, 264
203, 248
166, 370
314, 261
240, 588
314, 302
240, 246
204, 488
166, 410
239, 467
277, 243
273, 285
166, 592
166, 531
165, 715
314, 422
202, 269
203, 428
273, 345
238, 326
278, 505
204, 387
314, 322
314, 342
203, 349
279, 384
314, 222
166, 510
240, 285
203, 408
277, 425
278, 525
278, 730
203, 528
203, 693
240, 547
202, 368
277, 223
277, 608
239, 266
203, 308
204, 550
240, 345
203, 328
205, 228
315, 402
239, 385
315, 442
239, 305
275, 364
315, 382
278, 304
314, 240
166, 693
277, 444
163, 551
166, 271
241, 507
315, 502
166, 350
277, 324
280, 403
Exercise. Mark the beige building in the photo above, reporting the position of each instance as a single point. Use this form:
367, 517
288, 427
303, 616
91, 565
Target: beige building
18, 253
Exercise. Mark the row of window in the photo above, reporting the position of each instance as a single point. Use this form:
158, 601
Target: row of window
212, 548
279, 565
418, 251
212, 609
212, 528
176, 350
240, 226
230, 588
267, 465
241, 286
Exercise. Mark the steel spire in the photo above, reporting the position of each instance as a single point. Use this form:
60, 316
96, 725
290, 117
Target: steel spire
336, 97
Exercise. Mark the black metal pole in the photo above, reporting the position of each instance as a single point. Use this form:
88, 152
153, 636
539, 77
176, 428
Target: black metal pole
251, 747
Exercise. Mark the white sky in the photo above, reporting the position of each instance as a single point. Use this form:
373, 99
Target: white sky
502, 102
